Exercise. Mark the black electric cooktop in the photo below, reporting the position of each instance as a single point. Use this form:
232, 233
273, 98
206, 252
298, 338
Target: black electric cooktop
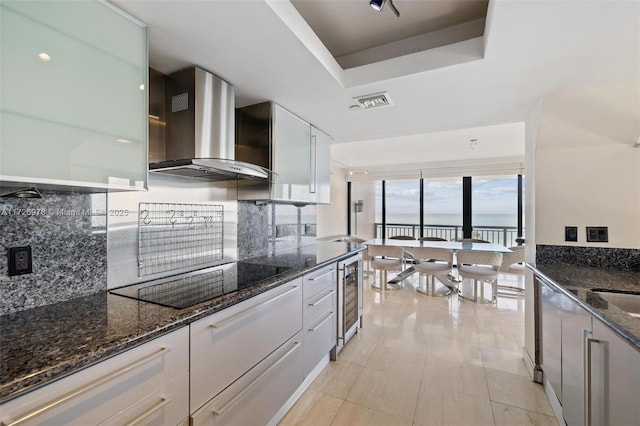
191, 288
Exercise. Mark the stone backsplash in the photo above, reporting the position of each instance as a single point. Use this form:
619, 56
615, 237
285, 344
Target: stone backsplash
600, 257
68, 239
270, 228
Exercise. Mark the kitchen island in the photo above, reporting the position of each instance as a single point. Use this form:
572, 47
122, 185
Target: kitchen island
577, 282
588, 342
44, 344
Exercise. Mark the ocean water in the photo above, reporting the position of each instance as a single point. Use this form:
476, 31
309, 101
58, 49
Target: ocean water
478, 220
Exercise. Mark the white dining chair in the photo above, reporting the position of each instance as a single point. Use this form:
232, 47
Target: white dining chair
512, 263
480, 266
383, 259
432, 262
408, 253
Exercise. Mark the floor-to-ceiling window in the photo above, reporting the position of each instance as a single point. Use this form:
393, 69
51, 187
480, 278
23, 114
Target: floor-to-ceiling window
495, 208
491, 214
443, 208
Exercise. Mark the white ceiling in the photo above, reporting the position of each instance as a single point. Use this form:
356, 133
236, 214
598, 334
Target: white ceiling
530, 49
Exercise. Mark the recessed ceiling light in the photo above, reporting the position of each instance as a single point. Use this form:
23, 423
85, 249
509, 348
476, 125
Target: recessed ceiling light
123, 141
44, 57
354, 107
142, 87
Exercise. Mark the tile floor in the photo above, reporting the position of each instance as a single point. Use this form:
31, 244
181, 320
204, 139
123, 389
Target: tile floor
423, 360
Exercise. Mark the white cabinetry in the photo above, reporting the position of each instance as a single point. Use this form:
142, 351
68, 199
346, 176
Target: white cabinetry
614, 370
576, 325
297, 153
74, 95
319, 315
146, 385
257, 396
592, 372
226, 345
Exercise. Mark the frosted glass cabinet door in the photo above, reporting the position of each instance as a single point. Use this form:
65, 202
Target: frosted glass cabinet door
291, 157
73, 95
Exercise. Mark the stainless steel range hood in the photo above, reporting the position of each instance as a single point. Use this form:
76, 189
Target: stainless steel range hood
200, 132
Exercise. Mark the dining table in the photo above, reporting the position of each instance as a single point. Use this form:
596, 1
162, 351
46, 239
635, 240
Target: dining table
452, 245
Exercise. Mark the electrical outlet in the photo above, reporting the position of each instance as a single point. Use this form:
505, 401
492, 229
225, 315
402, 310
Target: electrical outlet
20, 260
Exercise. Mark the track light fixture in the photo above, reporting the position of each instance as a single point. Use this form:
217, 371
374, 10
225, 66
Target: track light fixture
379, 4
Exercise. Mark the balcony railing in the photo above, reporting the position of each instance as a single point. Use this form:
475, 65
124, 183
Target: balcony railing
504, 235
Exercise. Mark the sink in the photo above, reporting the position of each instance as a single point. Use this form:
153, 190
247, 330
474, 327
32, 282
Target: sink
628, 301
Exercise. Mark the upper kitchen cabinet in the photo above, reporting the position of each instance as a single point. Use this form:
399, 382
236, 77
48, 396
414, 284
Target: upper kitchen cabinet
296, 152
74, 95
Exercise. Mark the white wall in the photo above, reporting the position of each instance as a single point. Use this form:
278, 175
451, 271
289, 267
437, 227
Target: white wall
366, 192
532, 124
332, 218
587, 169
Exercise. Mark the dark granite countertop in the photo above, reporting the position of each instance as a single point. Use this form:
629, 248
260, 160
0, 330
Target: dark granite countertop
577, 282
43, 344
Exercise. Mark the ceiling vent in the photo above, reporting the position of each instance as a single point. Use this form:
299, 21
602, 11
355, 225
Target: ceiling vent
376, 100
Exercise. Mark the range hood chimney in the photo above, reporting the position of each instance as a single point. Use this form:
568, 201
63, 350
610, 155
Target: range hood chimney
201, 129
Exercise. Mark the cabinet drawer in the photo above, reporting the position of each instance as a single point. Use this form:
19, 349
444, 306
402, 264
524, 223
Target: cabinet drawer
318, 340
227, 344
97, 393
319, 306
320, 280
258, 395
168, 405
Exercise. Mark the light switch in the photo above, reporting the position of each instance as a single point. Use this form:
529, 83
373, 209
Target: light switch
597, 234
571, 233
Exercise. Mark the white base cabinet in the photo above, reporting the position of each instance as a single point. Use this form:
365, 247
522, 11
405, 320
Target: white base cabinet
257, 396
613, 377
319, 315
225, 345
146, 385
242, 366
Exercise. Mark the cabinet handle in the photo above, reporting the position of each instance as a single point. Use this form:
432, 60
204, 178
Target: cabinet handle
322, 275
587, 402
327, 318
163, 401
313, 171
235, 317
220, 411
74, 394
331, 292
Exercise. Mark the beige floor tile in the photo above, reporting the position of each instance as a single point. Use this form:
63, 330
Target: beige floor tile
396, 361
503, 360
428, 360
358, 350
452, 408
518, 391
454, 350
313, 409
337, 378
351, 414
491, 338
454, 376
385, 392
506, 415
